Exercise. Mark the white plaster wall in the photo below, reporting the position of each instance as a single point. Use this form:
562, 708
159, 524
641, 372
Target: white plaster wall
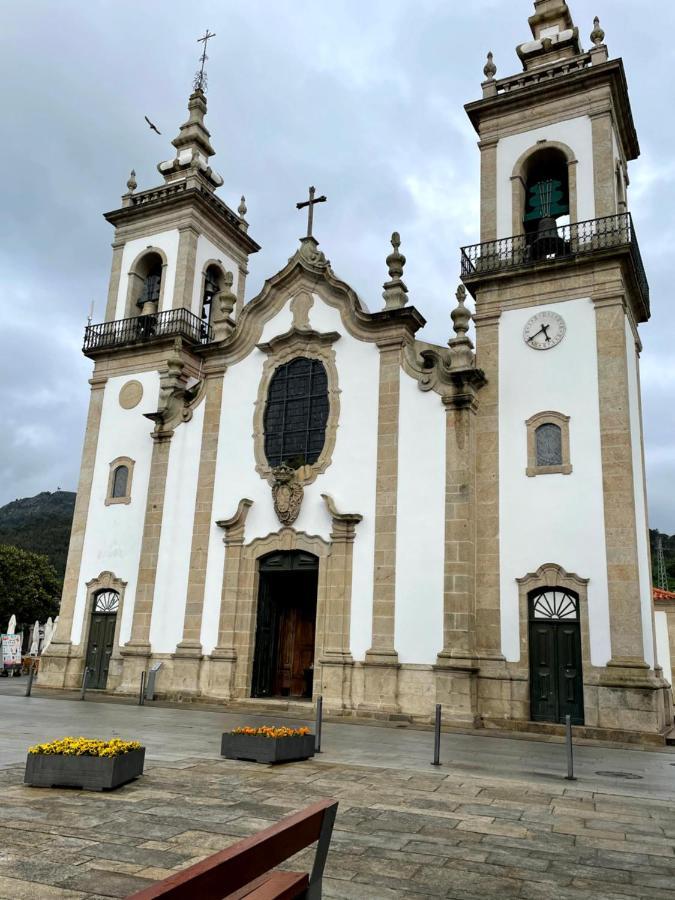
577, 134
113, 534
175, 545
420, 524
644, 569
164, 240
663, 644
551, 518
207, 250
350, 479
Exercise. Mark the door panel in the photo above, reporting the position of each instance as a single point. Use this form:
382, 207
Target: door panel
556, 683
100, 647
542, 672
570, 683
264, 663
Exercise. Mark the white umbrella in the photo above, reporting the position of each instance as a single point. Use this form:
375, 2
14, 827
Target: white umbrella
35, 642
11, 628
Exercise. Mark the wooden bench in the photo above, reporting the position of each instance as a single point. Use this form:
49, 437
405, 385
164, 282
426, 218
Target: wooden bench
243, 870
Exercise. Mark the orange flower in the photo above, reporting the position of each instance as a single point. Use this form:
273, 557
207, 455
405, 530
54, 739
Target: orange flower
271, 731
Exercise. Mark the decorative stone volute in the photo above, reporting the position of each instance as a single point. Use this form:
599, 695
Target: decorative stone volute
224, 303
193, 148
395, 290
309, 252
287, 494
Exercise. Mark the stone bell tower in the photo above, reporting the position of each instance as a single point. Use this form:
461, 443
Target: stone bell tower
560, 291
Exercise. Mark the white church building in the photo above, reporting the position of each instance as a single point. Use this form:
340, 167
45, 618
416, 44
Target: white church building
292, 495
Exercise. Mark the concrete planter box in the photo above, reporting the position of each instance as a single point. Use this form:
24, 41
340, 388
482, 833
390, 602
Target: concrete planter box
90, 773
258, 748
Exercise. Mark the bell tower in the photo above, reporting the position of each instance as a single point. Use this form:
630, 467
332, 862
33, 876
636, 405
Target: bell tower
560, 290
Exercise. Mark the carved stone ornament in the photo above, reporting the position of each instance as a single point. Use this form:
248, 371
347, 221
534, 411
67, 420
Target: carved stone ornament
287, 494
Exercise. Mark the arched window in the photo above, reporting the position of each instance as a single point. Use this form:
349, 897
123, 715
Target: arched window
106, 601
120, 480
548, 439
547, 195
212, 287
548, 444
148, 282
296, 413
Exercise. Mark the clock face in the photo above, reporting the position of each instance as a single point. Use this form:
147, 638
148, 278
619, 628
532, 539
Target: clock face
544, 330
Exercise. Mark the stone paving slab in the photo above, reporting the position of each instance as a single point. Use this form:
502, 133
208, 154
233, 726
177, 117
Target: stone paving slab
398, 833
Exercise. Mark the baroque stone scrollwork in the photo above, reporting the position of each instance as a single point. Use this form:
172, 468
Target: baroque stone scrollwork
177, 401
287, 494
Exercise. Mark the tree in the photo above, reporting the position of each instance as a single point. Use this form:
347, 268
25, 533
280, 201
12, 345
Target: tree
30, 587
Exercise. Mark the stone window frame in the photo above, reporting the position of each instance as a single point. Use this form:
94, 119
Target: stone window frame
280, 350
549, 417
518, 182
105, 581
114, 465
134, 282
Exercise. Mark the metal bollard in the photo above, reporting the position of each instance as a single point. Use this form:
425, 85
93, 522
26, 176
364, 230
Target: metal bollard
568, 742
437, 737
141, 693
85, 679
31, 675
319, 717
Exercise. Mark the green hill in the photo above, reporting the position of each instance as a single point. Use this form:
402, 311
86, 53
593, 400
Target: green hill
40, 524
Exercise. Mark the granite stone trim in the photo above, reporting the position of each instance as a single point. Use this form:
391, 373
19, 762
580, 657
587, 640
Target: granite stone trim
548, 418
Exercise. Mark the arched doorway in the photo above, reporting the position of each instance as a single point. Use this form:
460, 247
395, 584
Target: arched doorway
556, 676
101, 636
283, 661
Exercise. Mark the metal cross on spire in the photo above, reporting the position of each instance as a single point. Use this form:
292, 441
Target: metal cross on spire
310, 211
200, 77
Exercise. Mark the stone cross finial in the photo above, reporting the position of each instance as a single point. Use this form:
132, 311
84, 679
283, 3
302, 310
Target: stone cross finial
461, 347
597, 35
490, 69
132, 184
395, 290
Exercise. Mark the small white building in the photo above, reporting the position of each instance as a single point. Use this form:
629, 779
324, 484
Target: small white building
292, 495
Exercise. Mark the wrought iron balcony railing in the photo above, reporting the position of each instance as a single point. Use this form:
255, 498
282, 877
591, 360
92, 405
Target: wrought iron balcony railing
140, 329
556, 243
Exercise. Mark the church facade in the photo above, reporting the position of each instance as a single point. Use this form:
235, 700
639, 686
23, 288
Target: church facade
294, 495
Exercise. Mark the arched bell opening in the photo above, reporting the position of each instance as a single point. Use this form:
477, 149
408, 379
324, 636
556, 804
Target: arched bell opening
546, 203
146, 283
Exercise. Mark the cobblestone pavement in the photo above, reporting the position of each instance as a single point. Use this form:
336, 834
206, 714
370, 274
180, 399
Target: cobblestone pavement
399, 833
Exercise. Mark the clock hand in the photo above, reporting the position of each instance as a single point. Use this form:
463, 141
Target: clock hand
530, 339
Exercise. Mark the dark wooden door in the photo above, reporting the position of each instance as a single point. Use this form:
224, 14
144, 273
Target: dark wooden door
285, 627
99, 651
556, 684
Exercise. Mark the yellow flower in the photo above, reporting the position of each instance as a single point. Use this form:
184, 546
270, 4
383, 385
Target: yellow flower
271, 731
81, 746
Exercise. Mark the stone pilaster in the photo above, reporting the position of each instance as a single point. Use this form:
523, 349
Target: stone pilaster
381, 661
488, 189
54, 664
136, 651
115, 276
337, 662
456, 668
185, 267
603, 164
189, 650
224, 655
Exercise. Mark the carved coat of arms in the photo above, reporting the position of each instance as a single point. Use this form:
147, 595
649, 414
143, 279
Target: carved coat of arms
287, 494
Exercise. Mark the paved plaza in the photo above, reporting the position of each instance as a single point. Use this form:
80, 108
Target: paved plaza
496, 820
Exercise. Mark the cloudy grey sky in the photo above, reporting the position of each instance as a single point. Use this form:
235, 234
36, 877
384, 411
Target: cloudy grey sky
363, 99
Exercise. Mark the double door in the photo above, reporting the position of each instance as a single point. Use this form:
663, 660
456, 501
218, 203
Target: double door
99, 651
556, 682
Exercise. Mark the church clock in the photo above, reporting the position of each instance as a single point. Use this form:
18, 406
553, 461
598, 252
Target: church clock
544, 330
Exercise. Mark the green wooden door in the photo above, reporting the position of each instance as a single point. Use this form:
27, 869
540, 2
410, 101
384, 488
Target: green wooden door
101, 640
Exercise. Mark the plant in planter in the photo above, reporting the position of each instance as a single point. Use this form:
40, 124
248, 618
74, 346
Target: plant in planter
86, 763
268, 744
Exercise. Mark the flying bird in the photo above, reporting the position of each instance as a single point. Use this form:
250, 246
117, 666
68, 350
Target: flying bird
152, 127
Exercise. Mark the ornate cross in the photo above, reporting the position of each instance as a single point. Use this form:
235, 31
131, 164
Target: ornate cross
200, 77
310, 204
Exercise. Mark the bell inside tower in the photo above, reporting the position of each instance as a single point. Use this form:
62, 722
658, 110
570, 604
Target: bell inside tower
547, 203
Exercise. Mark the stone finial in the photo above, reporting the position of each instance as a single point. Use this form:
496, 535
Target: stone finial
395, 290
132, 184
490, 69
241, 209
597, 35
461, 347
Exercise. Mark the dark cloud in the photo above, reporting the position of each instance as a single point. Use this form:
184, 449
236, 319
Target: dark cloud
362, 99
